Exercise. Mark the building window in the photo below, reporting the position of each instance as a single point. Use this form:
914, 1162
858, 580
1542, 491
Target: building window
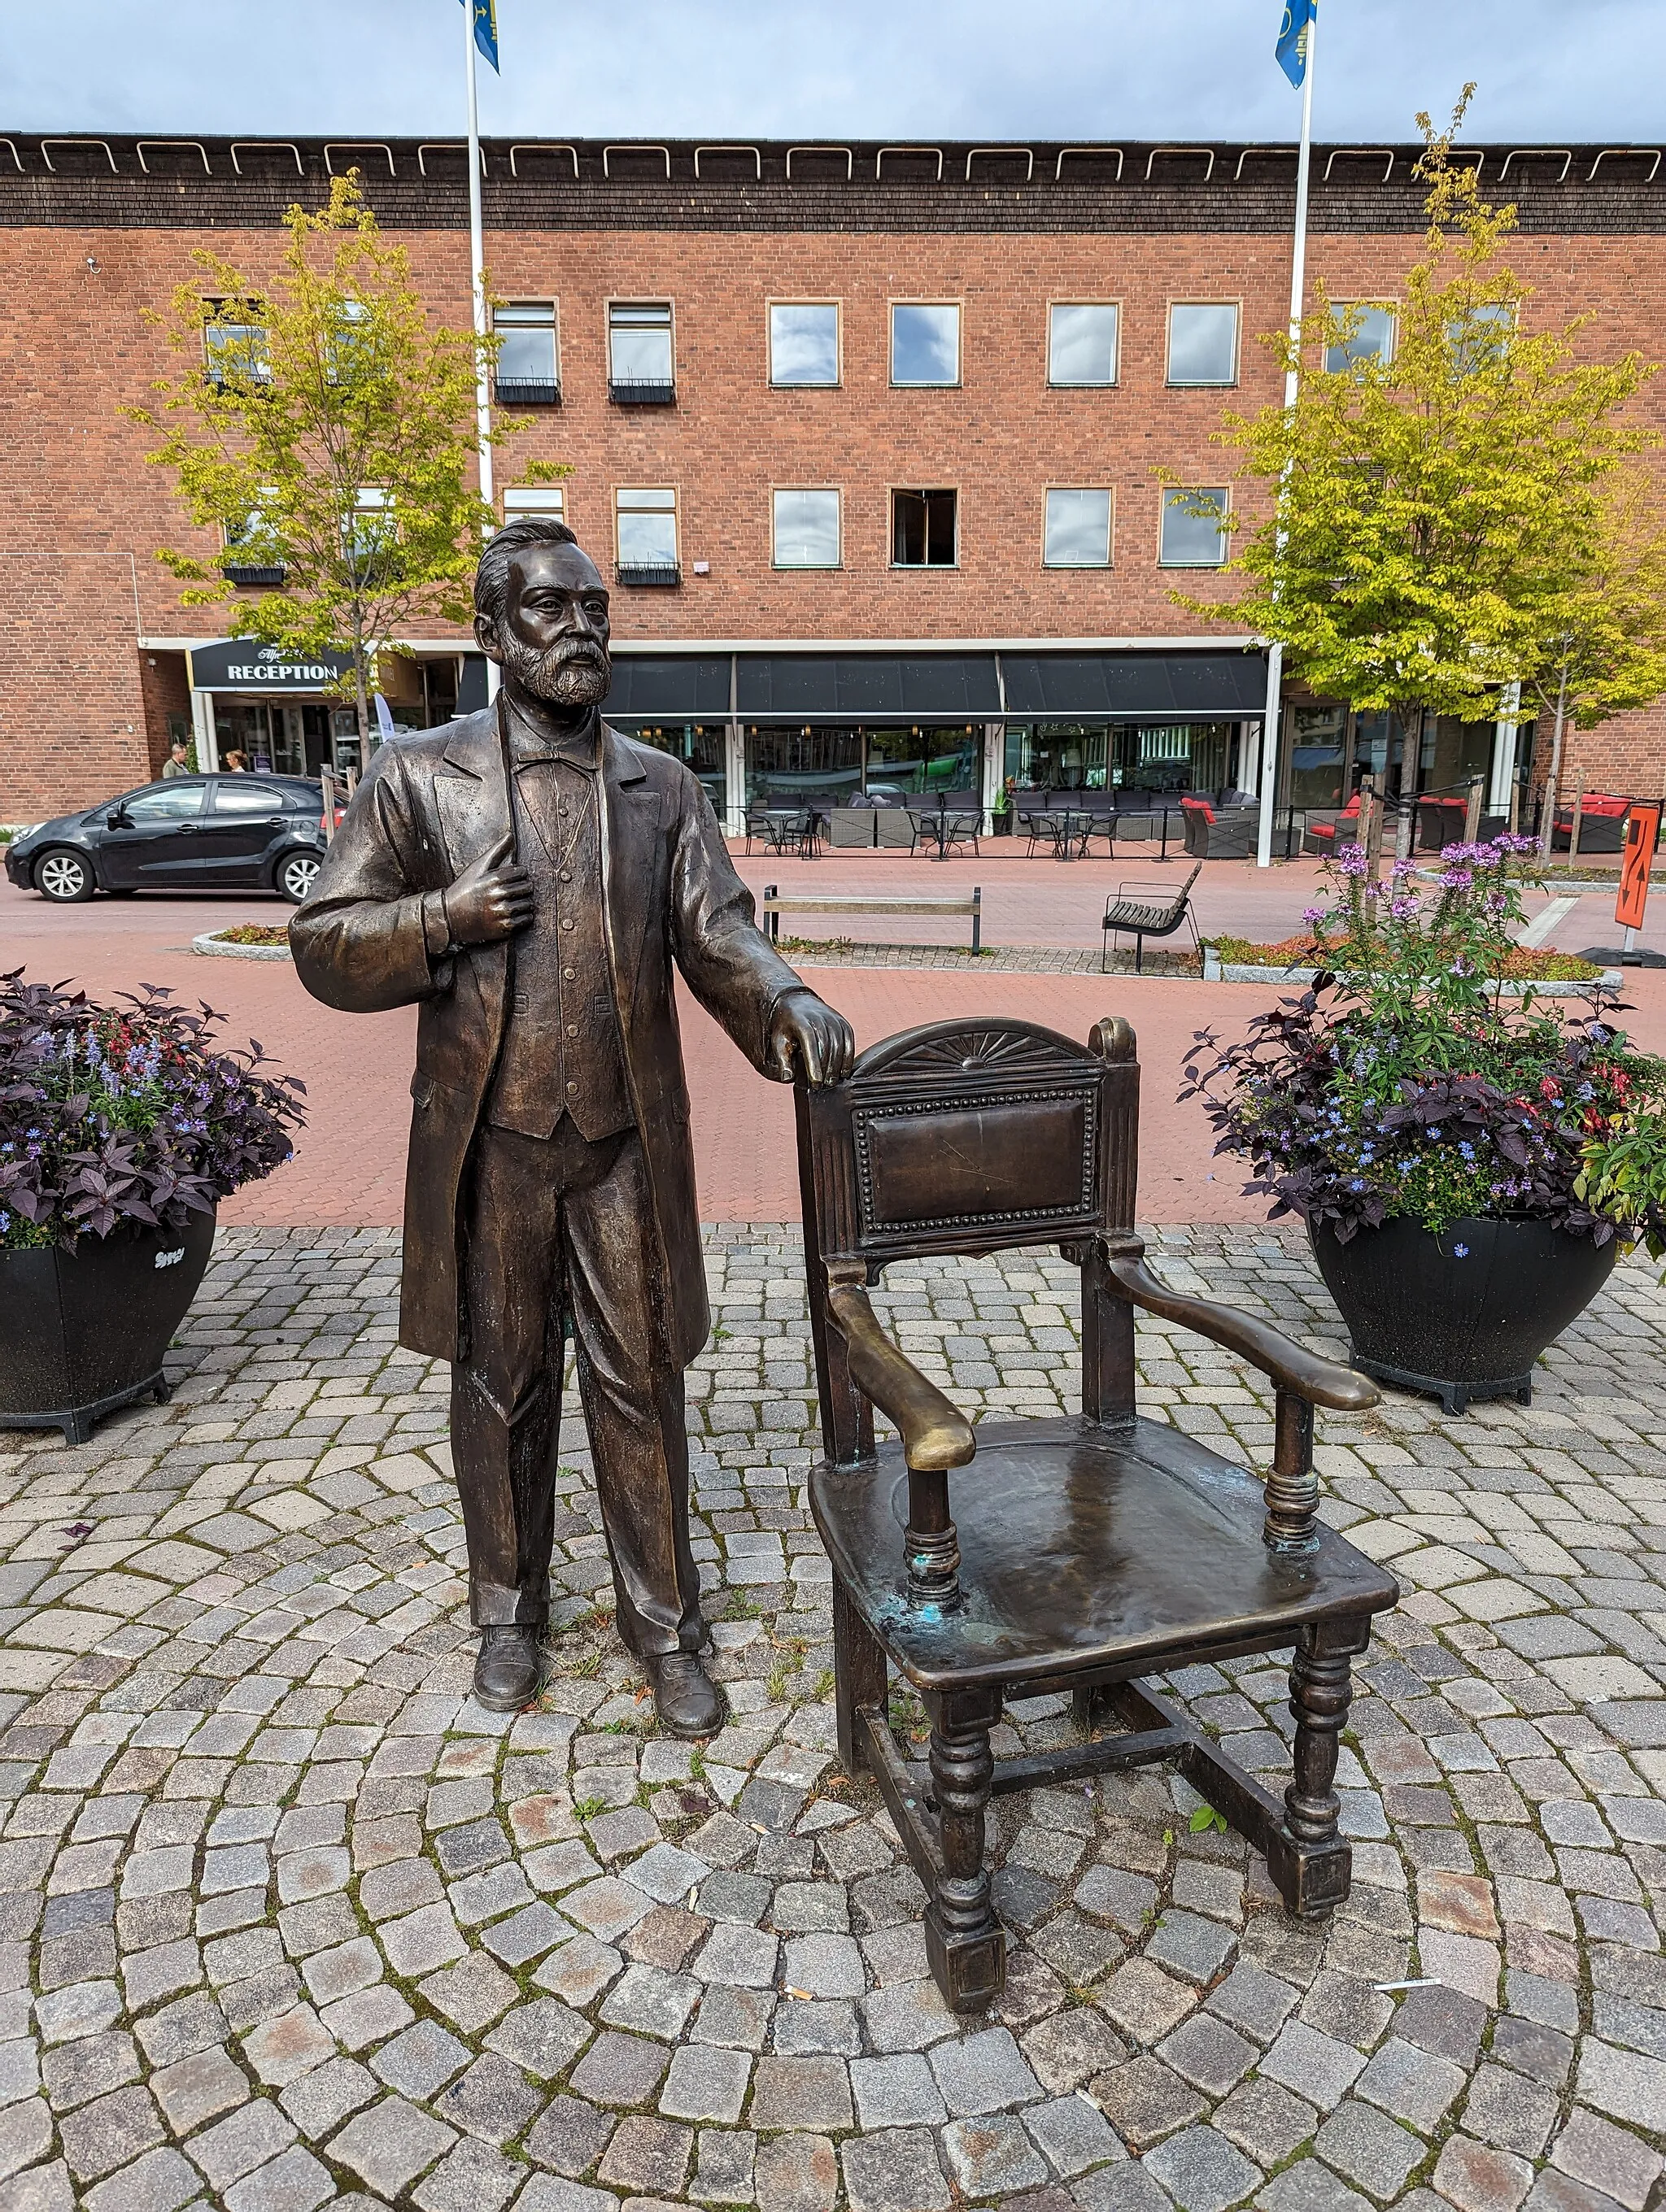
803, 342
640, 370
370, 533
521, 502
527, 374
236, 353
1372, 341
1192, 539
923, 529
1077, 532
1203, 343
1081, 343
925, 342
1479, 337
254, 554
807, 528
645, 536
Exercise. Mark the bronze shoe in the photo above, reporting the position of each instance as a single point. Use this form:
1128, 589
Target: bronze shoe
685, 1697
506, 1670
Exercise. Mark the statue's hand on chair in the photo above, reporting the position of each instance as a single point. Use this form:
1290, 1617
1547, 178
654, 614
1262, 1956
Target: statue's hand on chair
808, 1038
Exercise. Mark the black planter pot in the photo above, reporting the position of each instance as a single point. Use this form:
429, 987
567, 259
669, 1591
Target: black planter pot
1464, 1314
84, 1332
1003, 823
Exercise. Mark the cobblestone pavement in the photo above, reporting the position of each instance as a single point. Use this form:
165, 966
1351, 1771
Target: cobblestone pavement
286, 1921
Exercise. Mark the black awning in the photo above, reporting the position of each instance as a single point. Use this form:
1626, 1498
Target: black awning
679, 686
867, 686
1188, 686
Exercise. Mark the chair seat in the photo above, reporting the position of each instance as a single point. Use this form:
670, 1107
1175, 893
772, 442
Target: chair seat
1085, 1553
1127, 914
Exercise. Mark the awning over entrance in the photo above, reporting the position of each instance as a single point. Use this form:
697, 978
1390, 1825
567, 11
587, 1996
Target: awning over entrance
687, 686
1173, 686
963, 687
243, 663
866, 686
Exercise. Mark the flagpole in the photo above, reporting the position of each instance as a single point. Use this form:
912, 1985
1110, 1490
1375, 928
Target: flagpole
483, 404
1269, 741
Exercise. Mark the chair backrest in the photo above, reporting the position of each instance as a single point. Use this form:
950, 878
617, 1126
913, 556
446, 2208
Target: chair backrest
962, 1137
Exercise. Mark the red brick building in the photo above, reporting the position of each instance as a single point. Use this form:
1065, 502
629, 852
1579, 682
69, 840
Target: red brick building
865, 437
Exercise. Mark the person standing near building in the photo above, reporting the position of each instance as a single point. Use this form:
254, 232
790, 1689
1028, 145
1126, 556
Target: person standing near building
178, 759
531, 880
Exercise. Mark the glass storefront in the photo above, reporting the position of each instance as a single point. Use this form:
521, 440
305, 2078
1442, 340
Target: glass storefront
698, 745
1330, 750
1159, 757
836, 762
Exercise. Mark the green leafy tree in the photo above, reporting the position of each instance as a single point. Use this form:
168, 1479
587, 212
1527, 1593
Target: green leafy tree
1606, 630
1441, 521
324, 427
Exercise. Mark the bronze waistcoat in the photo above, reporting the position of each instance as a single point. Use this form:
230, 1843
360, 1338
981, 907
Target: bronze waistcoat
562, 1052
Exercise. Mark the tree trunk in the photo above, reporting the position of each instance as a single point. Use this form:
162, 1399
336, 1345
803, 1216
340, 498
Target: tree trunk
1547, 831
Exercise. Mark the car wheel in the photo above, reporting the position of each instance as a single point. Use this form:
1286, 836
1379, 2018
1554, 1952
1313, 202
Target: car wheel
296, 874
63, 877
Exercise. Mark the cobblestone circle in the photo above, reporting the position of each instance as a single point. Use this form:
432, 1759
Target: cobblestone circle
286, 1921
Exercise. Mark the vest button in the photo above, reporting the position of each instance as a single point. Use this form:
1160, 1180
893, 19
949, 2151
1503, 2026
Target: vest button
572, 1087
568, 974
566, 925
572, 1029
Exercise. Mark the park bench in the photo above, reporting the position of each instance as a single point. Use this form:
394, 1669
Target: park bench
773, 905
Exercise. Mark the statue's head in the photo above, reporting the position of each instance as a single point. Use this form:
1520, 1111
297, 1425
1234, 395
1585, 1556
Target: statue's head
541, 611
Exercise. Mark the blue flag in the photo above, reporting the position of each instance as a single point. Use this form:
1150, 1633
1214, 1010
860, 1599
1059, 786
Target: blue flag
1291, 51
485, 28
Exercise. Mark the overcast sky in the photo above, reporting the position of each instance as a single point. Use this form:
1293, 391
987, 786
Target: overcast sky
1549, 70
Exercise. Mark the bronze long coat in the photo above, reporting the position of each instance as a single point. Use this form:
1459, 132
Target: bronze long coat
671, 893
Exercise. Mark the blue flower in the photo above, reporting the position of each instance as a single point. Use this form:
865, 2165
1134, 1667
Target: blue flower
1460, 1251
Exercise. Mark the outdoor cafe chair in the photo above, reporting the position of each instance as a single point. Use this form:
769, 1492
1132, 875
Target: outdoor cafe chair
1080, 1554
1159, 914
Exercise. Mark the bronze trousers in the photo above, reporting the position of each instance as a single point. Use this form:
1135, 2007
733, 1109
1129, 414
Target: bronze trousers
552, 1223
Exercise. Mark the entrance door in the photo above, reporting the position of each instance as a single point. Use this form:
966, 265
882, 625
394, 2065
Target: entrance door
156, 842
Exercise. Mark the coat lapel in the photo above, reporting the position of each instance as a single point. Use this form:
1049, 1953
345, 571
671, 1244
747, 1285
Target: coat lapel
469, 793
632, 809
472, 806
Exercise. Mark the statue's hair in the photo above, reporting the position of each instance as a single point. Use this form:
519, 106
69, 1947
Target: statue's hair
491, 578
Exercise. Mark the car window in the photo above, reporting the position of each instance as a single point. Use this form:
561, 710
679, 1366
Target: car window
165, 802
243, 797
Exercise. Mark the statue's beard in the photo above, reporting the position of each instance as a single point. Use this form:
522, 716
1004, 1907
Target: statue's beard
570, 677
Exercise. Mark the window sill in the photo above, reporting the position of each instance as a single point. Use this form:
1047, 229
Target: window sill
805, 383
911, 386
1078, 568
925, 567
806, 567
530, 391
1085, 384
649, 574
250, 572
640, 391
1203, 384
1203, 568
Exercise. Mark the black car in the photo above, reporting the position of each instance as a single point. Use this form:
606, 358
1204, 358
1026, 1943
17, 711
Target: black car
186, 832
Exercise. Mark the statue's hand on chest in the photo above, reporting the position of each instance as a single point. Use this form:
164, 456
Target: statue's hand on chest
491, 899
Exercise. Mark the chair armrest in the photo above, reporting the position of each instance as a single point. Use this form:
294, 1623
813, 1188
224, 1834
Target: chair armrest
935, 1434
1320, 1381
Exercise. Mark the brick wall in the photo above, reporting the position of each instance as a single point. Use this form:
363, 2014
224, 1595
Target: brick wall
167, 701
72, 471
72, 711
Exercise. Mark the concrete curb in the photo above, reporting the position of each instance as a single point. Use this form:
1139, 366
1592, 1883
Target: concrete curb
214, 947
1216, 971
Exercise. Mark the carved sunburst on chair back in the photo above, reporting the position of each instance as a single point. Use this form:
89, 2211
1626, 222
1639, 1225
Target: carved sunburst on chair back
972, 1136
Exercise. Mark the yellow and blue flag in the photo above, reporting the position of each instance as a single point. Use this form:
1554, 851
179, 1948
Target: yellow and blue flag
1291, 51
485, 28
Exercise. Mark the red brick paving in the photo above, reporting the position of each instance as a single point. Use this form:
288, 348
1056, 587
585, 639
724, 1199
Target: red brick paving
349, 1163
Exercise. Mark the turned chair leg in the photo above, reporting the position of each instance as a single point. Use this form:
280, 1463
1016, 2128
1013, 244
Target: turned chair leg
1308, 1859
965, 1943
859, 1676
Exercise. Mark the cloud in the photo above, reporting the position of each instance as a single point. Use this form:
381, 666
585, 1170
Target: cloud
976, 69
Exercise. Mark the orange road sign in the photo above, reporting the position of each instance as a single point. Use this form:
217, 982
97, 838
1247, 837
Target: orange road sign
1642, 836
